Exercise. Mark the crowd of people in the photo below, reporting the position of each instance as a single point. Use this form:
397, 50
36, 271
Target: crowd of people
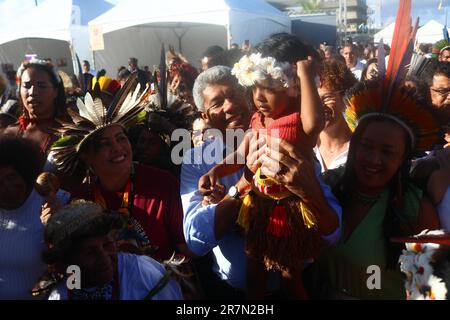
339, 156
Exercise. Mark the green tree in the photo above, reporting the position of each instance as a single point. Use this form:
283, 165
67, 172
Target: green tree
310, 6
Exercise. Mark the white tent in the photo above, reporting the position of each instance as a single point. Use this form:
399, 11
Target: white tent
430, 32
386, 34
137, 28
52, 30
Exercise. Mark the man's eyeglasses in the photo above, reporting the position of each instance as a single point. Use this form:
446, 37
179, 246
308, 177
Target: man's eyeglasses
442, 92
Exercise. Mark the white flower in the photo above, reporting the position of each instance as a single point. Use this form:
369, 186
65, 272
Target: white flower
438, 288
415, 262
255, 69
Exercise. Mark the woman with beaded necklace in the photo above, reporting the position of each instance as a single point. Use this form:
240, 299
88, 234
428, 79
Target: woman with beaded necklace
390, 125
41, 94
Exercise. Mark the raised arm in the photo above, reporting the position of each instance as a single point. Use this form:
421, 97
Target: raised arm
312, 113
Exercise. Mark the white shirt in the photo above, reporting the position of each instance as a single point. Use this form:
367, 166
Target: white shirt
21, 245
138, 275
357, 69
340, 160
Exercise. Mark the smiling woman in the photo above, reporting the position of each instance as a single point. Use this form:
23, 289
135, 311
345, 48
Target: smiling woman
148, 198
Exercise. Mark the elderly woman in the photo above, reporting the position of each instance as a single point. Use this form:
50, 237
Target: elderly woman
82, 234
332, 146
147, 196
42, 98
21, 231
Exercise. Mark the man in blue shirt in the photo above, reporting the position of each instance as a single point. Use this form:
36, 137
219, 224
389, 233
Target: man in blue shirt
211, 226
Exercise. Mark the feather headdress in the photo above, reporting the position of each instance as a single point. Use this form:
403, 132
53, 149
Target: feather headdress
387, 96
92, 117
425, 264
440, 46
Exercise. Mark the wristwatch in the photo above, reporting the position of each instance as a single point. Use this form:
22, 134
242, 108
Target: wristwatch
233, 192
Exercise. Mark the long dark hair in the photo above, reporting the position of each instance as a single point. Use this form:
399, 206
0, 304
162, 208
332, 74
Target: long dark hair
55, 79
395, 222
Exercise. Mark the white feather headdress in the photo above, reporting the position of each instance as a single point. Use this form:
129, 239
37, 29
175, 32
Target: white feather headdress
94, 116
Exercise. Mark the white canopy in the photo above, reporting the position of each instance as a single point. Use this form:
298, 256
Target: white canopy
430, 32
51, 30
136, 28
386, 34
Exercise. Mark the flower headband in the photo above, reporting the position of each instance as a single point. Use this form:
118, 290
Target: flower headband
254, 69
415, 262
34, 60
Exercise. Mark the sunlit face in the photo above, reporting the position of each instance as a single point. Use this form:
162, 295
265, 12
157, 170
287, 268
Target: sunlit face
13, 189
379, 154
148, 147
113, 155
445, 55
225, 107
97, 259
272, 103
349, 56
333, 105
38, 94
440, 95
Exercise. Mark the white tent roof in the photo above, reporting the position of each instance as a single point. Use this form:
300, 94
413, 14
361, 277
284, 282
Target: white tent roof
50, 30
137, 28
137, 12
430, 32
386, 34
43, 22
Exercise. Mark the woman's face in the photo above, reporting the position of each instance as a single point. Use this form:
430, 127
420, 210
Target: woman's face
38, 94
13, 188
113, 154
333, 105
379, 154
270, 102
148, 147
96, 257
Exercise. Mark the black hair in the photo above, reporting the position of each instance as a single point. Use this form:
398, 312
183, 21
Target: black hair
431, 69
443, 68
226, 58
24, 155
366, 67
395, 222
93, 143
57, 83
422, 88
212, 51
123, 74
285, 47
101, 73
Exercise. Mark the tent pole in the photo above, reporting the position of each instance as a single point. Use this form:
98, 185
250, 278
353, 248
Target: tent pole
228, 36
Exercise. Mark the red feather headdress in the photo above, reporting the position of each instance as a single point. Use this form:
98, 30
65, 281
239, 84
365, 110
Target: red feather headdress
388, 97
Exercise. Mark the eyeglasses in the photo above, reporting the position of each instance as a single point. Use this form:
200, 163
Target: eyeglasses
442, 92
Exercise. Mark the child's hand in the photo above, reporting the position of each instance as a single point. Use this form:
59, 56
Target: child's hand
306, 67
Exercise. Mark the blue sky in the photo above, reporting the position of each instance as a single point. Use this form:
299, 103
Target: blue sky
425, 9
